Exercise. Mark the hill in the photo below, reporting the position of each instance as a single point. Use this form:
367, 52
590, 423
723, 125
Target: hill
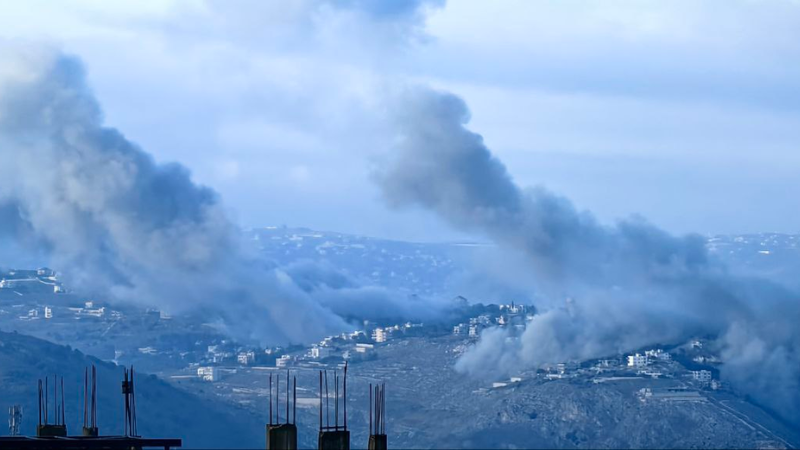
162, 410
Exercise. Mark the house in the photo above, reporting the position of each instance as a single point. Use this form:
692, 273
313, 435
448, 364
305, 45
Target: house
703, 376
245, 358
284, 361
320, 352
460, 329
658, 354
638, 360
364, 348
208, 373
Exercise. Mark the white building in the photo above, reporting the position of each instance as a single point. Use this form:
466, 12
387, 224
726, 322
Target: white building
48, 312
380, 335
357, 334
320, 352
703, 376
208, 373
658, 354
246, 358
474, 330
460, 329
283, 361
364, 348
638, 360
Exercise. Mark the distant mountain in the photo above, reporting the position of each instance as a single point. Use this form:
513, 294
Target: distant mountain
420, 268
162, 410
773, 256
432, 268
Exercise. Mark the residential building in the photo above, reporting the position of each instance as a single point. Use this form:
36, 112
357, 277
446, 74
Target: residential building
380, 334
320, 352
284, 361
638, 360
703, 376
208, 373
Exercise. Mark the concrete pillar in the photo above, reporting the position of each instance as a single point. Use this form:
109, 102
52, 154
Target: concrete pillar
378, 442
334, 440
282, 437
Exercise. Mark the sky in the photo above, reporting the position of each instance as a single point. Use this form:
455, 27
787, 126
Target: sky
684, 112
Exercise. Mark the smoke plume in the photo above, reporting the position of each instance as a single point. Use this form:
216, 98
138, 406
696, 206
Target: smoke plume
117, 223
626, 286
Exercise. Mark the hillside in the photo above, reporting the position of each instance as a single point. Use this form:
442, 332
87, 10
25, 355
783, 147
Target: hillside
162, 410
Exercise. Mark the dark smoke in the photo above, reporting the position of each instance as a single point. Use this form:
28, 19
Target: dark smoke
627, 285
82, 198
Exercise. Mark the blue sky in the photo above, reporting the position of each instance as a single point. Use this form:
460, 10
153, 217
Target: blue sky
685, 112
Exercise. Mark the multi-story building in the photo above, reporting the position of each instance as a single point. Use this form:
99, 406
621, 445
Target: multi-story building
208, 373
638, 360
703, 376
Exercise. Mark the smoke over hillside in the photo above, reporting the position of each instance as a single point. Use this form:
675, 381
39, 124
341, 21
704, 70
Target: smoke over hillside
627, 285
84, 199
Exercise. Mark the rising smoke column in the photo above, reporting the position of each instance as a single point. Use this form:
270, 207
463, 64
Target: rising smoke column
627, 285
116, 222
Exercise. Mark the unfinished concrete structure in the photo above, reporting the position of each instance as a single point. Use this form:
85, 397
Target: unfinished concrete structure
45, 428
53, 436
282, 435
377, 410
90, 402
336, 436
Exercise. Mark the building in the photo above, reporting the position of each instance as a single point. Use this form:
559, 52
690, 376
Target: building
638, 360
380, 335
475, 330
208, 373
245, 358
221, 357
460, 329
48, 312
284, 361
320, 352
703, 376
658, 354
364, 348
